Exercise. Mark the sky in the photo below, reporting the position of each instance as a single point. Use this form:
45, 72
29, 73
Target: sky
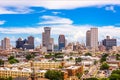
23, 18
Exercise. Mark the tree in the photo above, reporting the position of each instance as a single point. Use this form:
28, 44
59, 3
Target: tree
88, 54
29, 56
117, 56
104, 66
54, 75
78, 59
1, 62
116, 72
12, 60
79, 75
11, 57
91, 78
104, 79
114, 77
103, 57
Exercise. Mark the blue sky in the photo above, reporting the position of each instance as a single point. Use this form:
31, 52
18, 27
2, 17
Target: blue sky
71, 18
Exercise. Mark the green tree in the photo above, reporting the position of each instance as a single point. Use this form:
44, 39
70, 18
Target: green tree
88, 54
54, 75
1, 62
117, 56
104, 79
92, 78
11, 57
29, 56
104, 66
116, 72
114, 77
79, 75
104, 56
78, 59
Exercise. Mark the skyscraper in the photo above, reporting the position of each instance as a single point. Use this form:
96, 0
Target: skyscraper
88, 38
5, 43
31, 40
92, 38
47, 41
61, 42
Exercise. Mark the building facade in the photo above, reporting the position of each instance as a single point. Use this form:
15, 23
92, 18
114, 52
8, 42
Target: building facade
25, 44
5, 43
92, 38
47, 41
61, 42
109, 43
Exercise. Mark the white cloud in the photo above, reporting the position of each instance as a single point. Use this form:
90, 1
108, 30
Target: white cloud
55, 13
110, 8
55, 20
58, 4
16, 10
2, 22
51, 4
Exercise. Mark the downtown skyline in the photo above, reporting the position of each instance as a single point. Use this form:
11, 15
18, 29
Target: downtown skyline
71, 18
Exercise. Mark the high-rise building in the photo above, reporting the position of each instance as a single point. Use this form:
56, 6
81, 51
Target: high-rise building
31, 40
5, 43
109, 43
88, 38
47, 41
92, 38
61, 42
25, 44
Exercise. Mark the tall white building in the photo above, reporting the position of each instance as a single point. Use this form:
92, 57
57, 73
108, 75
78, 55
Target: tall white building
5, 43
92, 38
47, 41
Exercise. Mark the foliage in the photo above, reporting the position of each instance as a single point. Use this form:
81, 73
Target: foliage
12, 60
54, 75
91, 78
29, 56
104, 79
88, 54
1, 62
11, 57
117, 56
104, 66
114, 77
116, 72
4, 78
103, 57
78, 59
79, 75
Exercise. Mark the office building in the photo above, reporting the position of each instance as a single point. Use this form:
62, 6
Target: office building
88, 38
92, 38
25, 44
47, 41
61, 42
109, 43
5, 43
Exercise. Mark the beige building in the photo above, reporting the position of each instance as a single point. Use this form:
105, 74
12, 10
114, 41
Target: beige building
31, 40
5, 43
47, 41
92, 38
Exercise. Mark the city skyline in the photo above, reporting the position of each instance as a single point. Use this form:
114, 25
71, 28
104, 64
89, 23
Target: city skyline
22, 19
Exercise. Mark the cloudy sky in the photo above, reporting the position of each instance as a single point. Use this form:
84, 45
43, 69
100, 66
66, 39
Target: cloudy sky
22, 18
